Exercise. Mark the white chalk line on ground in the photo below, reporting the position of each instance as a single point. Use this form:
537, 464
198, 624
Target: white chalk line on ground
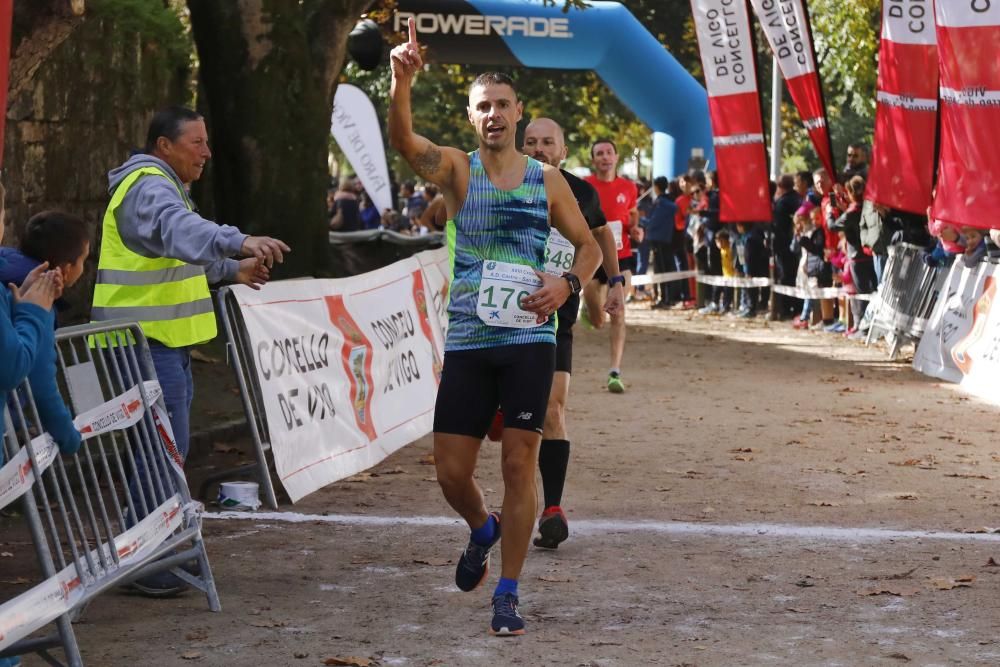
604, 527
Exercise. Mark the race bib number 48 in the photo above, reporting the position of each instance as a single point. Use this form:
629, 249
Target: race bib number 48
616, 231
500, 293
559, 254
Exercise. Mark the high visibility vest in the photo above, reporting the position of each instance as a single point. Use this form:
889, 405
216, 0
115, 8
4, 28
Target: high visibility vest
169, 298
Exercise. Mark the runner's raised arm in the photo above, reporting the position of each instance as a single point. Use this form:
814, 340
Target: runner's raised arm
430, 161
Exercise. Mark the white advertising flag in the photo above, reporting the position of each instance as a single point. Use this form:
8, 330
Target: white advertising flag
355, 127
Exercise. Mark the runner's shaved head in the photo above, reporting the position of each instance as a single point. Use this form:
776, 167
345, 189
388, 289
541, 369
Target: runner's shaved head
544, 141
546, 126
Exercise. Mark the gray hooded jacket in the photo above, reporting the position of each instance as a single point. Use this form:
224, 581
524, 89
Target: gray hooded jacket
154, 221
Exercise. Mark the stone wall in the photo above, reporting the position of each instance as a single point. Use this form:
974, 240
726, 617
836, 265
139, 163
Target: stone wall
83, 109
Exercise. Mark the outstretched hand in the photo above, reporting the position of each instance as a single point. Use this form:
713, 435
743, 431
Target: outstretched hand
266, 248
253, 272
405, 59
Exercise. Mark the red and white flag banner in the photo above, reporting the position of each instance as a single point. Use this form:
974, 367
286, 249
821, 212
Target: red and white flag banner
786, 26
902, 164
727, 57
968, 186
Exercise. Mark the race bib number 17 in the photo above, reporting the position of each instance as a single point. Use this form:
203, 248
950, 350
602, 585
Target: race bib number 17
559, 254
500, 292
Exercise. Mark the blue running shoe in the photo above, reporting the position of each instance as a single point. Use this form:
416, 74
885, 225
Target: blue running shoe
474, 564
507, 622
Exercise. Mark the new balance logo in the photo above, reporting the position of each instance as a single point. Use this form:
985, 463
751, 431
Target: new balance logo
525, 416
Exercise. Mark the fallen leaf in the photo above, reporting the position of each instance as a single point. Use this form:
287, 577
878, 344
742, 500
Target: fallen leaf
191, 655
900, 591
742, 450
300, 654
906, 496
263, 623
797, 611
823, 503
198, 355
360, 477
433, 562
18, 581
662, 489
947, 583
901, 575
349, 661
990, 563
223, 448
427, 460
917, 463
395, 471
196, 635
899, 656
555, 580
429, 479
967, 475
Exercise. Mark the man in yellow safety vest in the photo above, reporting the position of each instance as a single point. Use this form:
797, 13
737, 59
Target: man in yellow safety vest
158, 255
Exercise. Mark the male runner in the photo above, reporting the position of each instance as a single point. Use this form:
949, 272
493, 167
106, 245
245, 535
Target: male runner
544, 141
499, 204
618, 201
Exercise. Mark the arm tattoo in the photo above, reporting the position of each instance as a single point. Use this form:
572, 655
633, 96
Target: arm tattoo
428, 162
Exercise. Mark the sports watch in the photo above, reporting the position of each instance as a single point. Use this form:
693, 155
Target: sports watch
574, 282
616, 280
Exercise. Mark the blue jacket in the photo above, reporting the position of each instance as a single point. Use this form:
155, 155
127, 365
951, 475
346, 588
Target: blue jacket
659, 224
29, 351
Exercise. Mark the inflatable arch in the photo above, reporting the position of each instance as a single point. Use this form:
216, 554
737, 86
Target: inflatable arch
605, 38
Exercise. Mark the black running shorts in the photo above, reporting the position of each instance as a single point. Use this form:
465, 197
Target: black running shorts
474, 383
566, 318
624, 264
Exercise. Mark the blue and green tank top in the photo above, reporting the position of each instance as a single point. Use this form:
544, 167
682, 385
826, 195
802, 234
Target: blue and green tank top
501, 225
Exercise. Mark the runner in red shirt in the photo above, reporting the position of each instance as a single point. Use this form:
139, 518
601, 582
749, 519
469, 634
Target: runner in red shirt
618, 197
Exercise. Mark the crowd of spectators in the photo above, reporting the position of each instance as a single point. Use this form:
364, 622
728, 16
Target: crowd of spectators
822, 233
418, 210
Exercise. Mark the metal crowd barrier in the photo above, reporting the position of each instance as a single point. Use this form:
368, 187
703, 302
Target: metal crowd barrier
239, 354
906, 298
116, 511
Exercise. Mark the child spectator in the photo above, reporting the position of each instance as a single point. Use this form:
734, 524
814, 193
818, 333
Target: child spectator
949, 243
975, 246
27, 324
808, 242
723, 241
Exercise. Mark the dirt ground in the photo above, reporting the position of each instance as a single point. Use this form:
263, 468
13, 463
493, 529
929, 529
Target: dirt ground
759, 496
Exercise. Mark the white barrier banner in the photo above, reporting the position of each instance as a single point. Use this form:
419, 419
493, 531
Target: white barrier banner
57, 595
950, 322
436, 266
348, 369
17, 475
118, 413
977, 354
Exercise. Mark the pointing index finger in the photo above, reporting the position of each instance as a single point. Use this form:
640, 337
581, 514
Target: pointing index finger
413, 30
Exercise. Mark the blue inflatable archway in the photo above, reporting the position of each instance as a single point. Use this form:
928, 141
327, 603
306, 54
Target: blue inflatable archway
605, 38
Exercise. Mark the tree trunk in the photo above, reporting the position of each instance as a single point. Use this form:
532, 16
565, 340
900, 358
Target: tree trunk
268, 72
